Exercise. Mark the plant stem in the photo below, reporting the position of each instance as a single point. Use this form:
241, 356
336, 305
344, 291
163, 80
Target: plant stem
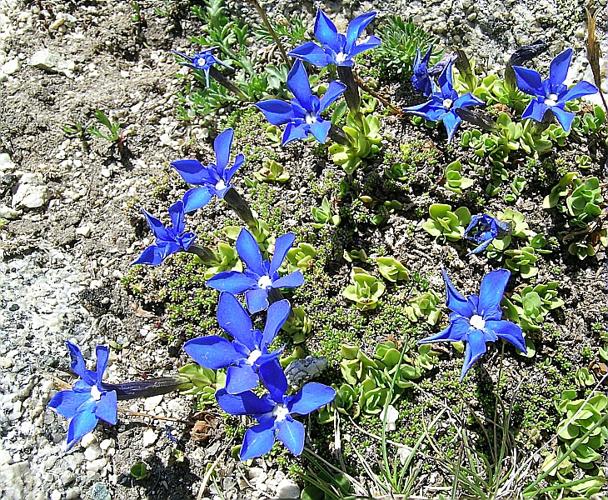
353, 99
240, 207
220, 78
394, 110
204, 253
146, 388
271, 30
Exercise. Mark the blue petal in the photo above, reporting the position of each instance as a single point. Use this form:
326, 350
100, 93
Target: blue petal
297, 82
455, 300
356, 28
334, 91
258, 440
281, 247
178, 219
579, 90
455, 332
107, 407
445, 80
102, 353
310, 398
156, 226
240, 379
274, 379
196, 198
82, 423
156, 254
78, 365
292, 280
508, 331
246, 403
467, 100
233, 282
491, 292
229, 172
535, 110
291, 433
66, 403
249, 252
233, 318
312, 54
451, 121
481, 247
293, 132
276, 112
186, 240
371, 43
212, 352
277, 314
192, 171
326, 32
257, 299
528, 80
565, 118
221, 146
559, 67
320, 130
475, 348
431, 110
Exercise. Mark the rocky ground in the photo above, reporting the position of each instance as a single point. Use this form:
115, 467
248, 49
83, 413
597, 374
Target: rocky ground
69, 226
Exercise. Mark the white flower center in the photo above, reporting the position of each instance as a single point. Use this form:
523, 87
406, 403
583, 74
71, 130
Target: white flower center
448, 103
280, 413
310, 119
477, 321
95, 393
201, 62
340, 57
220, 185
551, 100
253, 356
265, 282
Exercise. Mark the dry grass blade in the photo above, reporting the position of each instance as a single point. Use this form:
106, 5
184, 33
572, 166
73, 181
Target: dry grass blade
594, 52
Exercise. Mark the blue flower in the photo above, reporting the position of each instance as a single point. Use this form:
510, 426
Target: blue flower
213, 179
444, 102
483, 229
87, 402
421, 80
551, 95
201, 61
248, 352
336, 48
476, 320
303, 114
275, 411
260, 276
169, 240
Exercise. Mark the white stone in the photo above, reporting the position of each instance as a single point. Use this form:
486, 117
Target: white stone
84, 230
288, 489
55, 495
106, 443
93, 452
6, 164
152, 402
49, 61
391, 417
8, 213
31, 192
149, 437
96, 465
10, 67
88, 439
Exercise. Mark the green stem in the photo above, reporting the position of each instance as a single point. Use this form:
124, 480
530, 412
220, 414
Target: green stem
146, 388
237, 203
337, 135
220, 78
204, 253
353, 99
271, 30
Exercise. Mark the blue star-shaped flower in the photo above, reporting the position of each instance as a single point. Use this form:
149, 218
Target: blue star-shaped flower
551, 95
336, 48
248, 352
169, 240
202, 61
421, 80
483, 229
87, 402
275, 411
213, 179
303, 113
476, 320
444, 102
260, 276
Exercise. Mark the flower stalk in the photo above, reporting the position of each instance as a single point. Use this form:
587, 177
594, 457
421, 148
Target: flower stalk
146, 388
351, 94
273, 33
223, 80
237, 203
203, 253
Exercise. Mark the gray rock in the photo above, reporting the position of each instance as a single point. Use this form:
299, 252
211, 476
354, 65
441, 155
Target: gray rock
99, 491
301, 371
6, 164
288, 489
8, 213
10, 67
